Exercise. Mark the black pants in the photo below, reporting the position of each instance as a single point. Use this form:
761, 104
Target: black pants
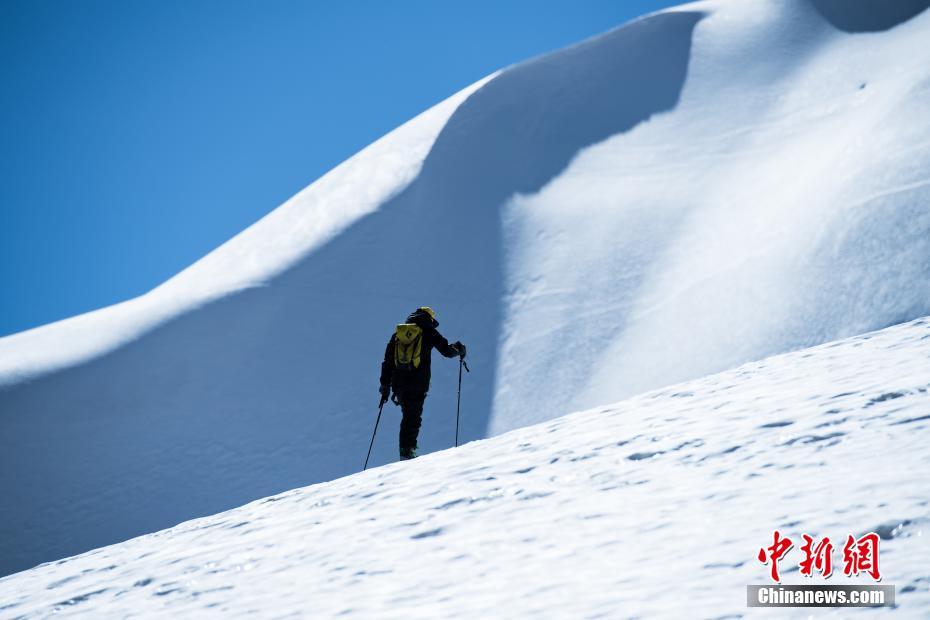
411, 404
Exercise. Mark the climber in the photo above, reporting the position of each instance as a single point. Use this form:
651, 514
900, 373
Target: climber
406, 369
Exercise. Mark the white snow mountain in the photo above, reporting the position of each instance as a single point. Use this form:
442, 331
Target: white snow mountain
702, 187
653, 507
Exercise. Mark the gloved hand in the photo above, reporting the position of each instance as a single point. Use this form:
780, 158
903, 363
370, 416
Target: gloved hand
458, 346
385, 394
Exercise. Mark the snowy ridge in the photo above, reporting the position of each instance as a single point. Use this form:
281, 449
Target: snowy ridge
356, 187
781, 204
577, 517
696, 189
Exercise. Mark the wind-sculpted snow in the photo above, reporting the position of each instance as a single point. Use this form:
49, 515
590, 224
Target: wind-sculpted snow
207, 392
653, 507
699, 188
274, 384
784, 203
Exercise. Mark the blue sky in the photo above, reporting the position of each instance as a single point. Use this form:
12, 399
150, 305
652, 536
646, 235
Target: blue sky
135, 137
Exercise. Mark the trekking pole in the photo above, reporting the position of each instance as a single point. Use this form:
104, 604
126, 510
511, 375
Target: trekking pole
458, 401
373, 435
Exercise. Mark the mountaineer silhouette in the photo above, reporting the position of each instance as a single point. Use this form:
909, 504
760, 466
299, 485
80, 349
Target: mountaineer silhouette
406, 371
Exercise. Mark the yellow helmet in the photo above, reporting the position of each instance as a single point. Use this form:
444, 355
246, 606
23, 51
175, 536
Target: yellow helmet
423, 312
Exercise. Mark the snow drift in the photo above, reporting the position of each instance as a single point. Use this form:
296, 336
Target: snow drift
699, 188
653, 507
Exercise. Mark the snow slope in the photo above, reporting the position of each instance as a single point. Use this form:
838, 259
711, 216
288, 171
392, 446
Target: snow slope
699, 188
785, 202
653, 507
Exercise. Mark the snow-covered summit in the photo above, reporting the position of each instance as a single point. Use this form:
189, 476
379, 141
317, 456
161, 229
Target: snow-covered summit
653, 507
699, 188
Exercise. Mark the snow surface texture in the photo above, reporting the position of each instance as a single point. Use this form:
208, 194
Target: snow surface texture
654, 507
784, 203
702, 187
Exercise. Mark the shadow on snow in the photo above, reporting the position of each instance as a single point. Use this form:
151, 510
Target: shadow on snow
275, 387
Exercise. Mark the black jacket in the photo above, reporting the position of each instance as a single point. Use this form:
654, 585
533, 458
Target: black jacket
415, 381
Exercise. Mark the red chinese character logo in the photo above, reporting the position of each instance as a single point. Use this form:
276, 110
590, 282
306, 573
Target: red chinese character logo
819, 557
861, 556
776, 551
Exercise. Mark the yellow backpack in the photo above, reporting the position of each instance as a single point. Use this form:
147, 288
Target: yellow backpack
408, 346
